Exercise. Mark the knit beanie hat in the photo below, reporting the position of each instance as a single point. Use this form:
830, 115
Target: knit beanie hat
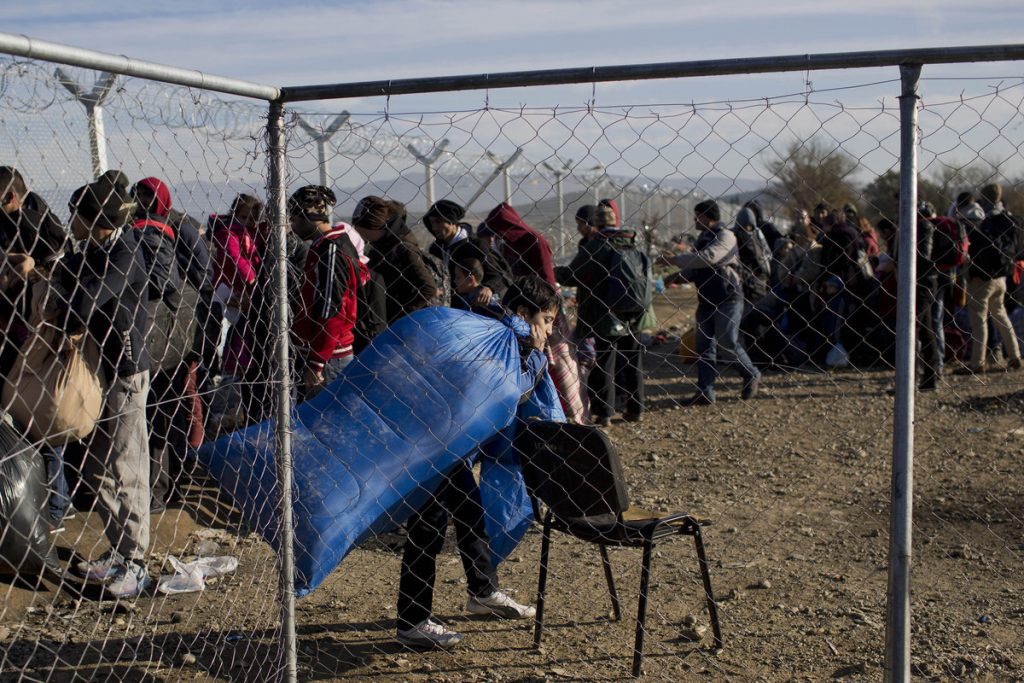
586, 213
378, 213
106, 202
314, 202
446, 210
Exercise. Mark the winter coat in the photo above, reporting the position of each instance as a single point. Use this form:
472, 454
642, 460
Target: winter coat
104, 290
397, 269
525, 249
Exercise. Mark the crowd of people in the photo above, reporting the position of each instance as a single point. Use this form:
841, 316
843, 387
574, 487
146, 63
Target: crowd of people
173, 305
825, 293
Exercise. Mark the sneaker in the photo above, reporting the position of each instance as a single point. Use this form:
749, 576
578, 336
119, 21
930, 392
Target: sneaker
750, 387
602, 421
633, 417
429, 634
131, 580
106, 566
698, 399
499, 604
1013, 365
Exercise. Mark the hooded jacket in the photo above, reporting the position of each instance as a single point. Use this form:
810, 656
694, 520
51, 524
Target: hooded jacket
526, 250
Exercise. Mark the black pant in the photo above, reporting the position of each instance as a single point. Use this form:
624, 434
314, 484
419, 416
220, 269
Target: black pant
168, 435
601, 382
928, 357
458, 495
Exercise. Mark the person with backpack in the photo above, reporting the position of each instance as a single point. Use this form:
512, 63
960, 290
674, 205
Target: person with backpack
333, 275
714, 266
995, 244
769, 230
168, 404
755, 257
613, 280
101, 291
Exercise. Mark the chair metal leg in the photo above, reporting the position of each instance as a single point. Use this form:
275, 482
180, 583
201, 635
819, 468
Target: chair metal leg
641, 610
610, 579
705, 576
542, 580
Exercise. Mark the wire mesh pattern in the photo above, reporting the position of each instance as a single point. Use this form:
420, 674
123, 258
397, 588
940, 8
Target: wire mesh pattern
704, 293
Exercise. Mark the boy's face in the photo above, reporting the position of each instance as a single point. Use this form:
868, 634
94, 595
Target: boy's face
541, 324
465, 282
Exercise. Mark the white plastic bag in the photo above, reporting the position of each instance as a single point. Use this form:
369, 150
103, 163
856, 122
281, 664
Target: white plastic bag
190, 577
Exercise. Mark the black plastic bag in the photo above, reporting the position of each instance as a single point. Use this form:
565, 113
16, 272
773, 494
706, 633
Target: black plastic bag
24, 538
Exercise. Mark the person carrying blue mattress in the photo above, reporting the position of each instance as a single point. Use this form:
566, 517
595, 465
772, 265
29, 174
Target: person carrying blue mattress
536, 302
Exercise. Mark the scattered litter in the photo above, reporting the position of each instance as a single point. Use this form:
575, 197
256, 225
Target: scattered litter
190, 577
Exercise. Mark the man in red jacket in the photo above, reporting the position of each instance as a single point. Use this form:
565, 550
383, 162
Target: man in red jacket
331, 280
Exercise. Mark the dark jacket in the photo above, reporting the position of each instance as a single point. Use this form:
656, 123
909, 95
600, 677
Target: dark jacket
104, 288
158, 239
991, 246
497, 276
526, 250
588, 272
32, 230
398, 270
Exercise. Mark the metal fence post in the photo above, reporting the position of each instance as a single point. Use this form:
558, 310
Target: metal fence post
93, 103
897, 625
276, 190
321, 136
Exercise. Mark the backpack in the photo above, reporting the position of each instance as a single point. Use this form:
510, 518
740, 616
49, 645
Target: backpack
157, 242
755, 261
949, 243
628, 287
1000, 239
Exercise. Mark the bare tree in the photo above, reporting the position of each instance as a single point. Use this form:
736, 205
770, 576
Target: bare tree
810, 171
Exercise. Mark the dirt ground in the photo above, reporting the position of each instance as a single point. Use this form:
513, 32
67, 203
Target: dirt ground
796, 482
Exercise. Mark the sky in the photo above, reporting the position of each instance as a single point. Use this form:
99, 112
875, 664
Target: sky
291, 43
307, 42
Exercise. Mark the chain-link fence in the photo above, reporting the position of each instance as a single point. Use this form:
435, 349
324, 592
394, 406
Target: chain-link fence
555, 327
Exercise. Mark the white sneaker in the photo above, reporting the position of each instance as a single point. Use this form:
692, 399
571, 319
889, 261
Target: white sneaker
131, 581
429, 634
498, 604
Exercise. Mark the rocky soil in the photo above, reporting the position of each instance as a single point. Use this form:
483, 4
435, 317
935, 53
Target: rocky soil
796, 483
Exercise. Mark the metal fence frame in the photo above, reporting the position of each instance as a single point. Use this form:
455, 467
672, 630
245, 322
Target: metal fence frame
909, 61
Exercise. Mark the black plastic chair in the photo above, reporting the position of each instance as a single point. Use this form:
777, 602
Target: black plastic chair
575, 471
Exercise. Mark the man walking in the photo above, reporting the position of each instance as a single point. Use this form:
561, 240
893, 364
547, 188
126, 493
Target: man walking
713, 266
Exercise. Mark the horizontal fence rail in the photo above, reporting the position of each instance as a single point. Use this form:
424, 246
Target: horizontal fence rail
657, 363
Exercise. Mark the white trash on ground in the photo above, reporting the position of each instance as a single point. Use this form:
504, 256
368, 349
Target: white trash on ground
190, 577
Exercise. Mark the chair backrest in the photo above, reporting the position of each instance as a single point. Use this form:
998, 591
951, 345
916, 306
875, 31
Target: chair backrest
573, 469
